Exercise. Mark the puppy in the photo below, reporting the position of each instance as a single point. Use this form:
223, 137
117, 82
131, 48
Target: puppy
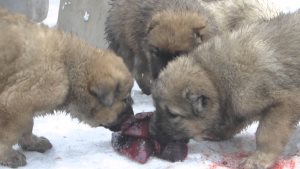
43, 70
232, 80
147, 34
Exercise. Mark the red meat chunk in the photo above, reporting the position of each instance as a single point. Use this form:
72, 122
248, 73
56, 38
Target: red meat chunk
135, 142
137, 149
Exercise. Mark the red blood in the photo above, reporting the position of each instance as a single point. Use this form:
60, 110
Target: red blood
230, 160
290, 164
137, 125
139, 150
134, 141
143, 115
157, 147
136, 149
138, 129
129, 122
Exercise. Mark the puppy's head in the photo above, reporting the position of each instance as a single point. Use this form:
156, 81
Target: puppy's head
171, 33
101, 90
186, 102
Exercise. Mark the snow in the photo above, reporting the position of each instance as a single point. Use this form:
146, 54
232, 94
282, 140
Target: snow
78, 146
52, 13
86, 16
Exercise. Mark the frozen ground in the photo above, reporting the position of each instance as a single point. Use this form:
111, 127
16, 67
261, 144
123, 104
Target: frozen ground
77, 146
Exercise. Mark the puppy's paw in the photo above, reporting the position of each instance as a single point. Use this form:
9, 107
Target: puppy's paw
34, 143
13, 159
257, 161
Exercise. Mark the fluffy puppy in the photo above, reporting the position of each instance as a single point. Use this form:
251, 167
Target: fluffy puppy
43, 70
147, 34
229, 82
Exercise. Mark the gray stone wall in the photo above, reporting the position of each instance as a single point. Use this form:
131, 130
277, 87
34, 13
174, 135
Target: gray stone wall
84, 18
35, 10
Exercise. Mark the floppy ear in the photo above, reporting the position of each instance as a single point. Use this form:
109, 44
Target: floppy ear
197, 33
152, 25
105, 95
197, 100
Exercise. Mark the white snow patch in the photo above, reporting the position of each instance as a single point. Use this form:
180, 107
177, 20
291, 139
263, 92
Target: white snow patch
86, 16
52, 16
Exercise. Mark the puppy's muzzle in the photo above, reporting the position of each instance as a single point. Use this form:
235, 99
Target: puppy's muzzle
122, 117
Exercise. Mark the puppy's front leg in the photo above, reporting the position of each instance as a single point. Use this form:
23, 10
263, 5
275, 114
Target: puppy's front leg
273, 133
10, 129
31, 142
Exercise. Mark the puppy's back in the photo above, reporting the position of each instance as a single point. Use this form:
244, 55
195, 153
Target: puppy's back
24, 46
283, 36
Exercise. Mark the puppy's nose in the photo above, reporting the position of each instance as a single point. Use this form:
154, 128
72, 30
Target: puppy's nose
123, 116
152, 129
157, 134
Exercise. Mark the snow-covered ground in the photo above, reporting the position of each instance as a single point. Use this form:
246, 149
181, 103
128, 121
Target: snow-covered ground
78, 146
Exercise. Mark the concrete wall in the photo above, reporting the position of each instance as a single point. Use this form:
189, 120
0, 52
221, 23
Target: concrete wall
84, 18
35, 10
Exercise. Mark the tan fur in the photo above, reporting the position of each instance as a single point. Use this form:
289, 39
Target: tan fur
232, 80
148, 36
173, 31
232, 14
42, 70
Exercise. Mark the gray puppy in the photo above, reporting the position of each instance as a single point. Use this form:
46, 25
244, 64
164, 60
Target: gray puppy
232, 80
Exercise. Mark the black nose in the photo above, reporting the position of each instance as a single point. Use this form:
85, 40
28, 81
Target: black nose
123, 116
158, 134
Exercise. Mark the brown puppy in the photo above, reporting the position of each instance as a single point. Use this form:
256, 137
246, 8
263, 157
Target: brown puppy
42, 70
230, 81
147, 34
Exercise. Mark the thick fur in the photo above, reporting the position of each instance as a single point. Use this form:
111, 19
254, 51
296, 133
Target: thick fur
147, 34
232, 80
232, 14
42, 70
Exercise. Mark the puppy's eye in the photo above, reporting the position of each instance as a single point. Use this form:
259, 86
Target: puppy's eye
128, 100
172, 115
154, 50
178, 53
197, 35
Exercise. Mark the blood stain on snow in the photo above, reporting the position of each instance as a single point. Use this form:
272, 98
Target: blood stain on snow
232, 160
285, 164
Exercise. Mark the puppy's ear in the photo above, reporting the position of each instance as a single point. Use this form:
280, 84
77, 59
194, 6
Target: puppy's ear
197, 34
152, 25
104, 94
198, 101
